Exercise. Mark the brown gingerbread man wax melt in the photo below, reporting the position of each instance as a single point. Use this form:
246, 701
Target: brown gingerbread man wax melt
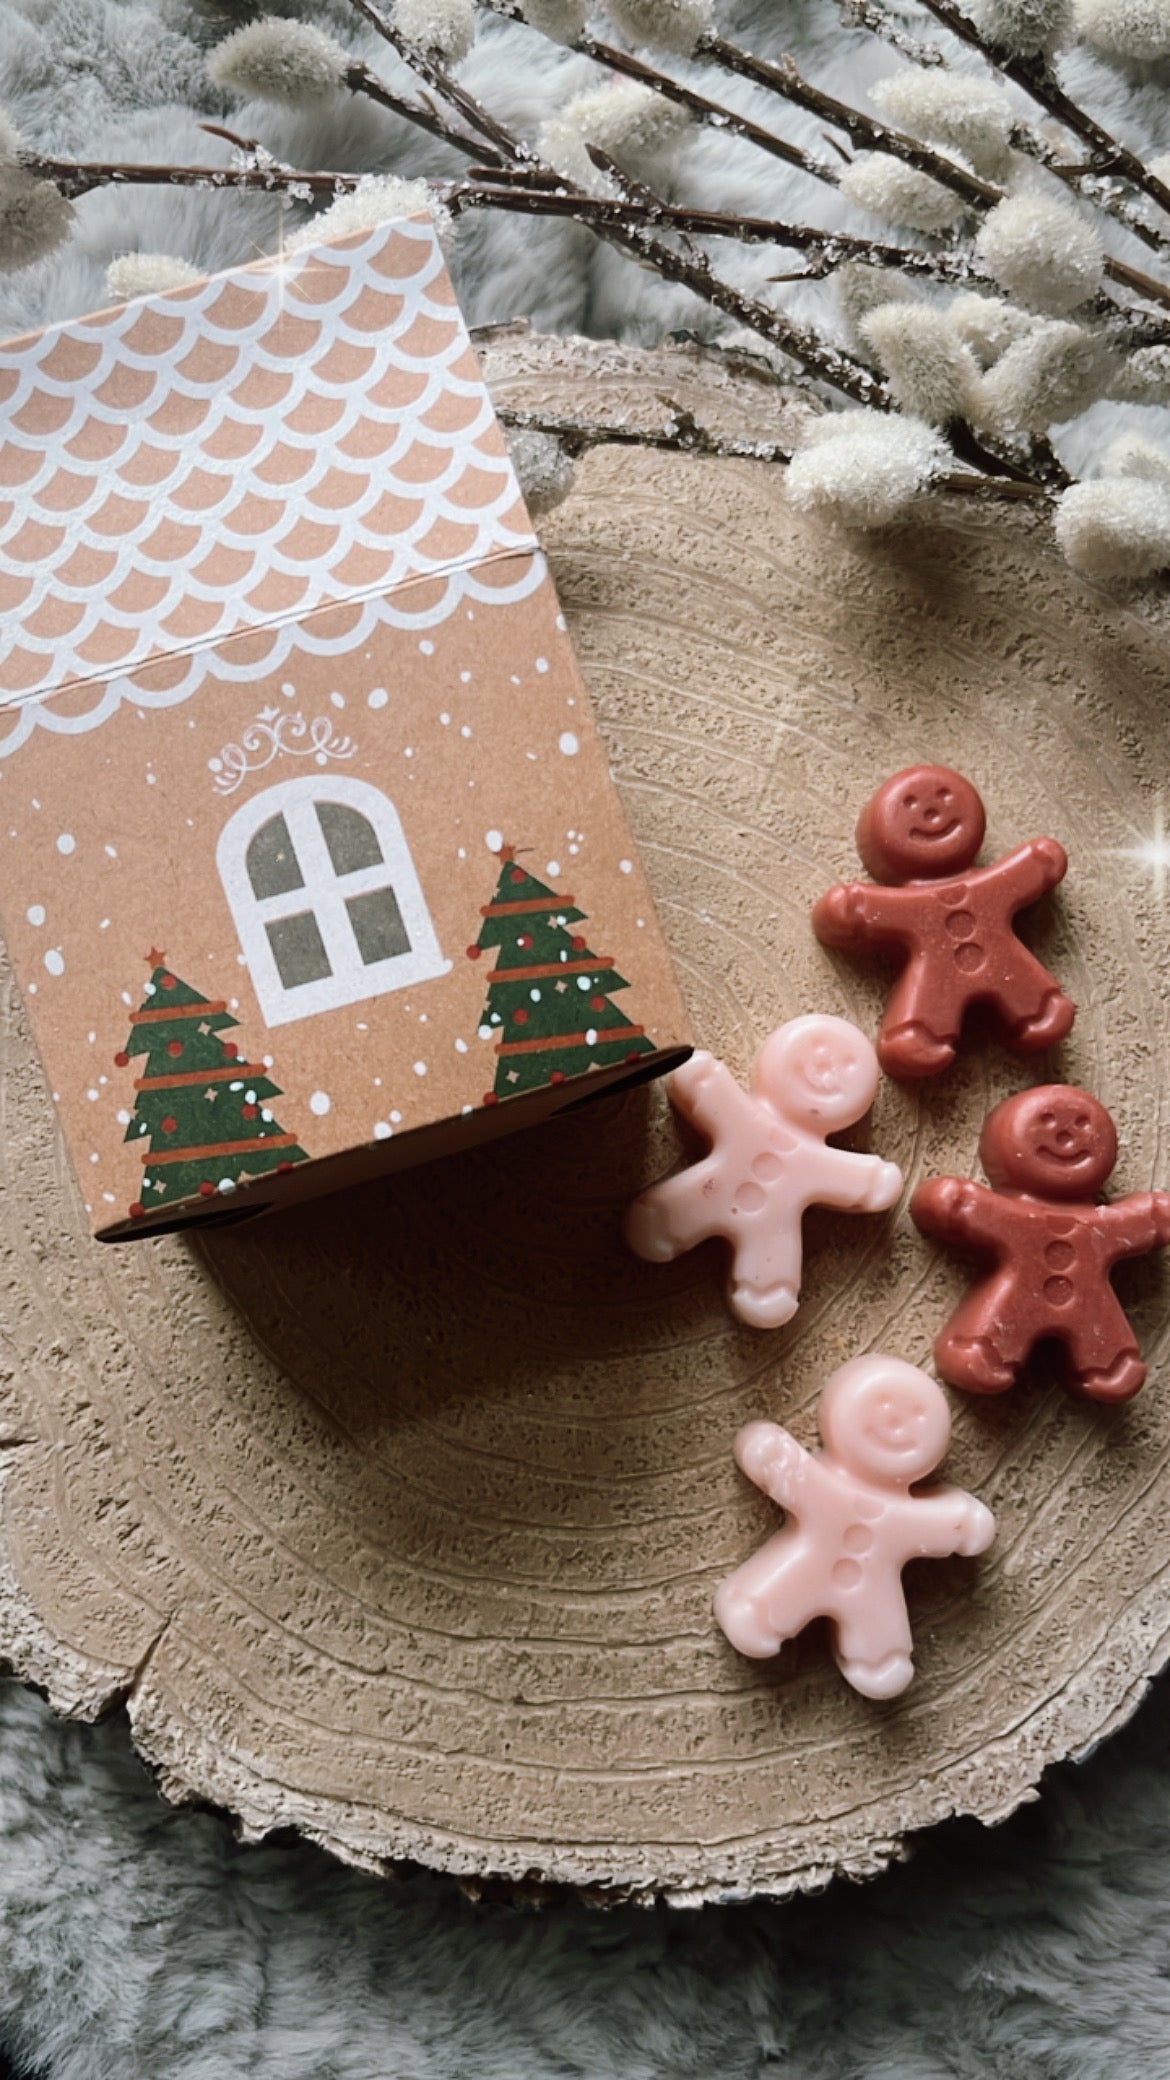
920, 836
1047, 1153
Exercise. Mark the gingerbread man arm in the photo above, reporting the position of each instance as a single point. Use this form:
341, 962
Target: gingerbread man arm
860, 1183
1027, 873
947, 1520
953, 1209
772, 1458
707, 1094
861, 913
1134, 1225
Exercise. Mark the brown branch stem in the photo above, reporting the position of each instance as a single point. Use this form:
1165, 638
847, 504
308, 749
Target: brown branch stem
1038, 80
682, 434
360, 80
427, 67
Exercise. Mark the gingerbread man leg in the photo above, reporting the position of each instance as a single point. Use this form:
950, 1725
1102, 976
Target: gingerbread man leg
986, 1341
771, 1598
766, 1265
872, 1645
924, 1014
1032, 1004
1102, 1348
673, 1216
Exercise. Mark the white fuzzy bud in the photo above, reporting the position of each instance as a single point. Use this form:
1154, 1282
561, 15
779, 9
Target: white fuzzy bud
988, 325
859, 289
1115, 527
1045, 378
273, 60
1023, 27
930, 372
631, 124
562, 20
1125, 28
661, 25
377, 199
862, 468
1041, 250
35, 218
545, 469
148, 274
1145, 377
949, 108
889, 188
10, 137
444, 28
1132, 455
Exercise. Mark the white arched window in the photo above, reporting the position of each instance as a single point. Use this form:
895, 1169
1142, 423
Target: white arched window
325, 896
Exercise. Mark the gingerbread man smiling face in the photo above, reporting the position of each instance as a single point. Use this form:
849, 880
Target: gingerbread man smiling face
922, 824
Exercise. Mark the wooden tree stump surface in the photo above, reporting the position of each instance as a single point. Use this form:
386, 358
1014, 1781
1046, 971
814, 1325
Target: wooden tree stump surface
398, 1518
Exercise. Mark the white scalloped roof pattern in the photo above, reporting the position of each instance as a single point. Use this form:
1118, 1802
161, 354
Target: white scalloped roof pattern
296, 434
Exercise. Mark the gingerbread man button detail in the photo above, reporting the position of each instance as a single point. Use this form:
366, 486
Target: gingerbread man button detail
855, 1523
920, 835
768, 1161
1047, 1153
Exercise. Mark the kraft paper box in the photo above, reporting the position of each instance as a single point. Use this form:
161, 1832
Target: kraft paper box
310, 861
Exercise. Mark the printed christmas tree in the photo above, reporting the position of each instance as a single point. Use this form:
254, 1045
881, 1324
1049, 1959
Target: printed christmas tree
202, 1119
548, 1003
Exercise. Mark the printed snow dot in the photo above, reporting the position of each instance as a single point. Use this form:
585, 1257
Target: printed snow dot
288, 689
427, 648
93, 1096
625, 866
377, 697
420, 1068
584, 982
266, 1116
465, 731
320, 1103
535, 995
397, 1118
484, 1032
461, 1047
35, 913
492, 839
55, 961
95, 1158
562, 624
66, 843
337, 700
568, 743
215, 765
542, 664
445, 719
553, 868
382, 1130
591, 1037
227, 1184
465, 678
235, 1086
123, 1117
111, 851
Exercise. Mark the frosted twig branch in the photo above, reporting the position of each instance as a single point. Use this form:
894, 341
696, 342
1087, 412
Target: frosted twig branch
681, 433
428, 68
1036, 77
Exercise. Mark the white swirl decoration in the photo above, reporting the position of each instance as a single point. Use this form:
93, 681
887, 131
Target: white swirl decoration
274, 735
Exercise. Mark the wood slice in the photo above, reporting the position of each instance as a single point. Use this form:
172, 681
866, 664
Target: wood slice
398, 1518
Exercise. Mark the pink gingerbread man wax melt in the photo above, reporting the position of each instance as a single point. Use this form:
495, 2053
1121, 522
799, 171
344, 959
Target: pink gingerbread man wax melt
1047, 1153
920, 835
855, 1523
768, 1161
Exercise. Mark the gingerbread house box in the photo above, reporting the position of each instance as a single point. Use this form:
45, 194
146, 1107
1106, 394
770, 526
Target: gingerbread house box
312, 864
